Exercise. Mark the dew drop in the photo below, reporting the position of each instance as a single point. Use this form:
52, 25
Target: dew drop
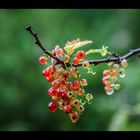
122, 75
110, 92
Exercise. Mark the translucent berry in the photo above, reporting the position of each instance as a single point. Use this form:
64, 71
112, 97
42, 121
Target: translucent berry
42, 59
76, 85
117, 86
73, 70
80, 92
113, 73
122, 72
81, 108
89, 97
52, 91
47, 72
76, 61
55, 98
68, 108
115, 66
55, 84
59, 52
106, 72
67, 59
124, 63
52, 106
50, 78
85, 64
83, 82
107, 87
70, 94
74, 116
76, 102
110, 92
80, 54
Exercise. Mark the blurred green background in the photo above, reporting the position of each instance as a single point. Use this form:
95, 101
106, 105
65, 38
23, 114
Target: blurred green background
23, 90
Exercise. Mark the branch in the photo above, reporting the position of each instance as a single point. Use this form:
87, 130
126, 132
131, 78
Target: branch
116, 59
37, 41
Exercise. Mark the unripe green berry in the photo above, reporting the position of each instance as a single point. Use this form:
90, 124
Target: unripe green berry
122, 72
70, 94
124, 63
76, 102
89, 97
115, 66
117, 86
80, 108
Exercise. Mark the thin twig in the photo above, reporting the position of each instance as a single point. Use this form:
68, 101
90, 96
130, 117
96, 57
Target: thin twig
95, 62
37, 41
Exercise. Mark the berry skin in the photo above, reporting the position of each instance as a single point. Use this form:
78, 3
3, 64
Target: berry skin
115, 66
76, 85
52, 91
114, 73
74, 116
47, 72
85, 64
81, 92
89, 97
59, 52
42, 59
124, 63
81, 108
55, 98
52, 106
55, 84
83, 82
122, 72
50, 78
73, 70
80, 55
70, 94
67, 59
68, 108
106, 72
76, 61
117, 86
107, 88
76, 102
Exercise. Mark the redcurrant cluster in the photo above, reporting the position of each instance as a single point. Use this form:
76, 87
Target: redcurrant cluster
67, 87
110, 76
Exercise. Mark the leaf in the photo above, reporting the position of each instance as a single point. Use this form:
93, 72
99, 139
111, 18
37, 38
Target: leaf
75, 44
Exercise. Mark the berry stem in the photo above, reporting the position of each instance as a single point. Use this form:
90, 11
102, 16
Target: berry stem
37, 41
113, 59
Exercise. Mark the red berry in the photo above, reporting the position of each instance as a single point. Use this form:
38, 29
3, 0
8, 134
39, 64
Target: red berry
80, 55
42, 59
55, 84
52, 106
74, 116
47, 72
76, 61
64, 96
50, 78
68, 108
107, 88
52, 91
76, 85
114, 73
